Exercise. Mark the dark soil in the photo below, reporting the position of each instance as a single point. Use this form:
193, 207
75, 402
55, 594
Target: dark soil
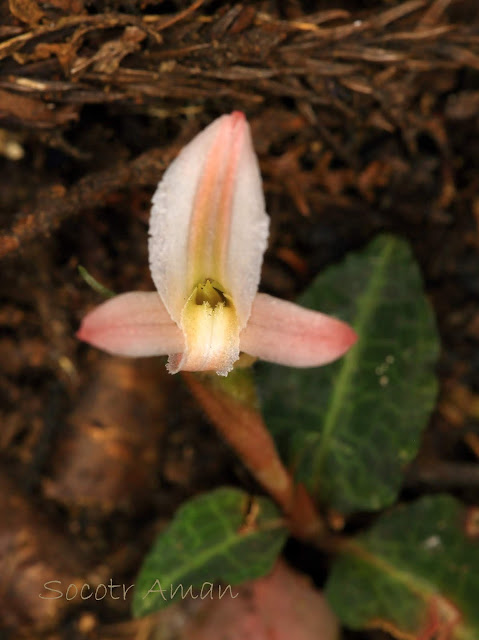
364, 117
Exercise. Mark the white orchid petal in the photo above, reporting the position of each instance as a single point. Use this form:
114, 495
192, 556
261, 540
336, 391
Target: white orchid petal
208, 223
170, 222
249, 231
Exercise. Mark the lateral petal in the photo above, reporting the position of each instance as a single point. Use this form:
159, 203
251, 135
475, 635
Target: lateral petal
132, 324
285, 333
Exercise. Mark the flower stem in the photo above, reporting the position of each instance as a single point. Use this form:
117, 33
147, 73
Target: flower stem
232, 406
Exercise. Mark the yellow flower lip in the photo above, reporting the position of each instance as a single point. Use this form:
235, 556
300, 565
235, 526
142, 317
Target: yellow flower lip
210, 329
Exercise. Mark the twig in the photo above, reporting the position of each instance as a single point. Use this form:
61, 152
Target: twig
56, 204
443, 475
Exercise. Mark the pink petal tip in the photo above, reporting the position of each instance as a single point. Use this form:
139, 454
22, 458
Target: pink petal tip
132, 324
285, 333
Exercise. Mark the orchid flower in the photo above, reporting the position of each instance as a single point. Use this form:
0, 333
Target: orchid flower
208, 233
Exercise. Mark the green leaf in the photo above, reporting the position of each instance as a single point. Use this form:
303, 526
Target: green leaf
415, 571
94, 284
223, 536
349, 429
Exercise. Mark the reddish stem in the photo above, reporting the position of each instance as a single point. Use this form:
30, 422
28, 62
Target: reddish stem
243, 428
